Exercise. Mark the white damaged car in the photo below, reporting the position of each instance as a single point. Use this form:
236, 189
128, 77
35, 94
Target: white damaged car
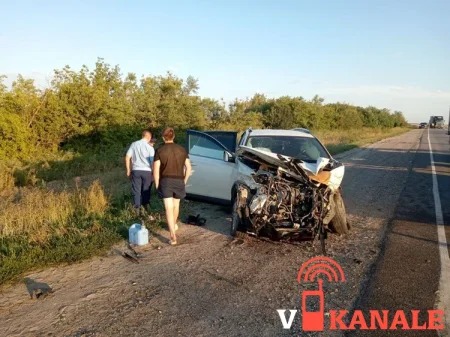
283, 184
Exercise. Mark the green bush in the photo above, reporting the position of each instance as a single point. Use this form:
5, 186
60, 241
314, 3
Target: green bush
87, 118
14, 137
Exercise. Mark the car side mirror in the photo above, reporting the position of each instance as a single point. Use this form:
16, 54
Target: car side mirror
228, 157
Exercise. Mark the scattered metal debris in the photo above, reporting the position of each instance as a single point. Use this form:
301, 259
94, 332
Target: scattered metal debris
132, 249
130, 257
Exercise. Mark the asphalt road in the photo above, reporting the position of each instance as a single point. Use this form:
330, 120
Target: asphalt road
209, 285
407, 273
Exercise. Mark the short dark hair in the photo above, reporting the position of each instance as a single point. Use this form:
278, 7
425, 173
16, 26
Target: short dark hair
145, 132
168, 134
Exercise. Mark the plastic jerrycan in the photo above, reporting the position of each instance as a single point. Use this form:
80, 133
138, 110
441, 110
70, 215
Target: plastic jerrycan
132, 233
141, 236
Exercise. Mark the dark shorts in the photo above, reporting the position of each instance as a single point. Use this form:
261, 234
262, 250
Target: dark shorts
172, 188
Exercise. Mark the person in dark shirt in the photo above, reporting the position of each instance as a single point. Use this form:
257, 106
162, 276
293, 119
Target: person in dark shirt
171, 171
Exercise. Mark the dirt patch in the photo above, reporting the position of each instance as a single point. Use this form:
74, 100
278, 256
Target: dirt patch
206, 285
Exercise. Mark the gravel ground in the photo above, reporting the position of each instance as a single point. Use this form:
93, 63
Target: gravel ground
210, 285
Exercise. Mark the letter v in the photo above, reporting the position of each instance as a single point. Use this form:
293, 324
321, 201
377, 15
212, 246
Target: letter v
286, 325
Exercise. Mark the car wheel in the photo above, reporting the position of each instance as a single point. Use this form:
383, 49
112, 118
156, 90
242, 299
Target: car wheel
235, 220
339, 223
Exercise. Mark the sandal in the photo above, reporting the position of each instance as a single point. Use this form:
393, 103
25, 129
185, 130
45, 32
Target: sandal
173, 243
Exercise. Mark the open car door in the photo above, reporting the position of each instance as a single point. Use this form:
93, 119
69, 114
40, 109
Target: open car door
213, 164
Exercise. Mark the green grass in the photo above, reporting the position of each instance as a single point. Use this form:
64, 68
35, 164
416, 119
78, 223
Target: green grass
18, 255
339, 148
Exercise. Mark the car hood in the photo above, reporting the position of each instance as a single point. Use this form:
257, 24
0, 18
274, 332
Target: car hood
281, 160
314, 171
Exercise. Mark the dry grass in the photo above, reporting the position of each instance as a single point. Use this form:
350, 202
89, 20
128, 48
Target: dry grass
338, 141
92, 201
40, 213
41, 226
6, 179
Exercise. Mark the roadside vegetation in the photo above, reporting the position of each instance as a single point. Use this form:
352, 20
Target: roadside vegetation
338, 141
63, 193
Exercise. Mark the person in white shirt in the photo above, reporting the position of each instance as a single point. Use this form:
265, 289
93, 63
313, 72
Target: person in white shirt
139, 162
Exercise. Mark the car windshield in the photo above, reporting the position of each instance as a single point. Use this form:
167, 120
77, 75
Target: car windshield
303, 148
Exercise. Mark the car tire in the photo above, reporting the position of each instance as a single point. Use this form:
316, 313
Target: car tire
339, 223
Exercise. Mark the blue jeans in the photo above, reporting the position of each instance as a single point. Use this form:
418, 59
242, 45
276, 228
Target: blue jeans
141, 183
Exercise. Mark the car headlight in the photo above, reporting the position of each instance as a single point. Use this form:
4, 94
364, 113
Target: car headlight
258, 203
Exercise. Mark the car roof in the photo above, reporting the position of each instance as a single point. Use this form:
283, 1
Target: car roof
286, 133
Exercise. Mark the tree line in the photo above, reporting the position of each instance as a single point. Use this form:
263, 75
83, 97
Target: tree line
87, 102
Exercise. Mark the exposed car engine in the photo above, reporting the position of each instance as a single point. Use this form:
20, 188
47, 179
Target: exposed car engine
284, 202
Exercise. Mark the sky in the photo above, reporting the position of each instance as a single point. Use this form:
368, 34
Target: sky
391, 54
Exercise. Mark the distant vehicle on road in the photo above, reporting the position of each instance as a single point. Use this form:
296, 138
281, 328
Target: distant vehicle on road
423, 125
437, 122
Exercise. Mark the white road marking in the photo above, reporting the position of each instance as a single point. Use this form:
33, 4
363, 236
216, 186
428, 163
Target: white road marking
444, 283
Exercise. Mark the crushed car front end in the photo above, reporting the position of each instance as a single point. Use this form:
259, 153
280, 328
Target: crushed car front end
286, 198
